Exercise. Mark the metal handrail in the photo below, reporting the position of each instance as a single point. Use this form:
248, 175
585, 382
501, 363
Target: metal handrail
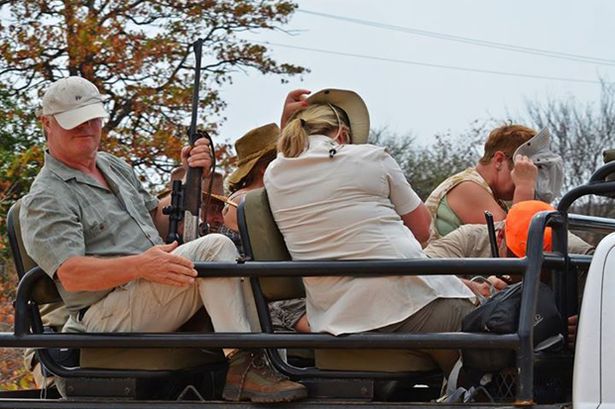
521, 341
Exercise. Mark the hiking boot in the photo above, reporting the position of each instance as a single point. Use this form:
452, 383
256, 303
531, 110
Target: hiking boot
250, 377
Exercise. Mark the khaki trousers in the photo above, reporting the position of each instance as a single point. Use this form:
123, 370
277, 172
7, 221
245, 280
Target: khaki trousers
440, 315
144, 306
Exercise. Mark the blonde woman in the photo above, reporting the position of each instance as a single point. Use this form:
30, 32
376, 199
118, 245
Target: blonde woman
335, 197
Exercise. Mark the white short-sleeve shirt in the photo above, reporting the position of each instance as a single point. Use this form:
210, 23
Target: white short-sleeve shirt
348, 207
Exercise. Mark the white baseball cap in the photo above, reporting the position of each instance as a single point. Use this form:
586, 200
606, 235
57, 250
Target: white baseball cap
73, 101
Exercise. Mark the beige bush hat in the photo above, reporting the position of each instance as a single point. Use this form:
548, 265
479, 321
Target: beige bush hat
251, 147
220, 198
352, 104
73, 101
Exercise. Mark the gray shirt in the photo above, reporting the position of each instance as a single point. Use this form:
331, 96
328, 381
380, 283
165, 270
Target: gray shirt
68, 213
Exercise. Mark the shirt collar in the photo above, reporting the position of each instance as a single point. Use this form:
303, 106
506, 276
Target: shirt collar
321, 138
67, 173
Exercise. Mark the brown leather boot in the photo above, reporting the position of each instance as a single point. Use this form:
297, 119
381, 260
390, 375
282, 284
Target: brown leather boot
250, 377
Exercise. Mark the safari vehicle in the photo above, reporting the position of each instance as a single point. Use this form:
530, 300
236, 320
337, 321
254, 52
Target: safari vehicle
186, 369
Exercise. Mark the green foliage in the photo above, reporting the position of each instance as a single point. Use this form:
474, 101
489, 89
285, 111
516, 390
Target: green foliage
426, 166
580, 132
137, 52
21, 156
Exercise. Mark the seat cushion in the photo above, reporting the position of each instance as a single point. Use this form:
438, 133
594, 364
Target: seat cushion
156, 358
384, 360
148, 359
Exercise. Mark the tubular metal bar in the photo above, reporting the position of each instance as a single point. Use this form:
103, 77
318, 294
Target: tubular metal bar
264, 319
529, 297
258, 340
561, 281
553, 260
597, 188
602, 172
24, 291
597, 185
602, 224
307, 268
311, 372
361, 268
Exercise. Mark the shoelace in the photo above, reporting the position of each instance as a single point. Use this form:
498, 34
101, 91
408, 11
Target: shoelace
259, 361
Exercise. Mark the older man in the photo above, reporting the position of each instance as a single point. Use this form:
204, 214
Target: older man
91, 226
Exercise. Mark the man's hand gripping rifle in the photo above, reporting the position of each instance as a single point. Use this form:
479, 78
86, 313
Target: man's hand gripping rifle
186, 197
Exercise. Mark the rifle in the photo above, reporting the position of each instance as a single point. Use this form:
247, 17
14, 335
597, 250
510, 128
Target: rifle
186, 197
491, 231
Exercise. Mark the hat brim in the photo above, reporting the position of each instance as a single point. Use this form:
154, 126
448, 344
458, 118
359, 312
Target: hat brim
75, 117
245, 168
354, 106
220, 198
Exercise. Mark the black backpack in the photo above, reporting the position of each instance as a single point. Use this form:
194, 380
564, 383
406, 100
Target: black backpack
500, 315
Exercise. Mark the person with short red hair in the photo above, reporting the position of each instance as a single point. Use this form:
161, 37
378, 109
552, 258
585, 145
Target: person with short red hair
517, 165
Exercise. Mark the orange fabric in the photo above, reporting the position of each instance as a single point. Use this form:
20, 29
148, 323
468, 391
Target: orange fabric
518, 223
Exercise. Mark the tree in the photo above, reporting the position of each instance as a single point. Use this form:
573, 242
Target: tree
137, 52
20, 158
426, 166
581, 132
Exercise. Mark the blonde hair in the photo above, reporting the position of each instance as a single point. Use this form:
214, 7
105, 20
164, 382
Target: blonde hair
316, 119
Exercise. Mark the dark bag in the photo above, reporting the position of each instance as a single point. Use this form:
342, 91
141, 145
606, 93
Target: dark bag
500, 315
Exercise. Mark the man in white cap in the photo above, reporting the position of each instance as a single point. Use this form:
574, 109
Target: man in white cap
89, 223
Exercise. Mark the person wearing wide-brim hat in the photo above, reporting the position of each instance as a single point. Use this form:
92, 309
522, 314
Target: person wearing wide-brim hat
336, 197
349, 102
254, 152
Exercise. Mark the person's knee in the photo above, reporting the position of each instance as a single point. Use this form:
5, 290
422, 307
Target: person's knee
446, 314
215, 247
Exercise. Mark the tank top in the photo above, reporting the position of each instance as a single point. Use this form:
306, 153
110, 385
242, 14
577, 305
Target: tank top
443, 218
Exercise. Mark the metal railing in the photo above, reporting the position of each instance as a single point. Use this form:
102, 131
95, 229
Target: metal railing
521, 341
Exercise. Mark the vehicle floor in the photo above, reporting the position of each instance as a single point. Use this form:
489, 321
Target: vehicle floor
308, 404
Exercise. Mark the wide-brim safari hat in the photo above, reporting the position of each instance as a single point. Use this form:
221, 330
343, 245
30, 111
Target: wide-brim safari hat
219, 198
251, 147
352, 104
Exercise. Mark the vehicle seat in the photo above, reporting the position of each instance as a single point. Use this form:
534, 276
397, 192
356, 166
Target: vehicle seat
50, 304
262, 241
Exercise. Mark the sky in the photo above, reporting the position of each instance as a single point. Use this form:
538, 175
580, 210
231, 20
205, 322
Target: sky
375, 48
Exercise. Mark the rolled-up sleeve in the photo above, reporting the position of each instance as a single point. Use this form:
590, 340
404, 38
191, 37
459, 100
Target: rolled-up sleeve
401, 194
51, 230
